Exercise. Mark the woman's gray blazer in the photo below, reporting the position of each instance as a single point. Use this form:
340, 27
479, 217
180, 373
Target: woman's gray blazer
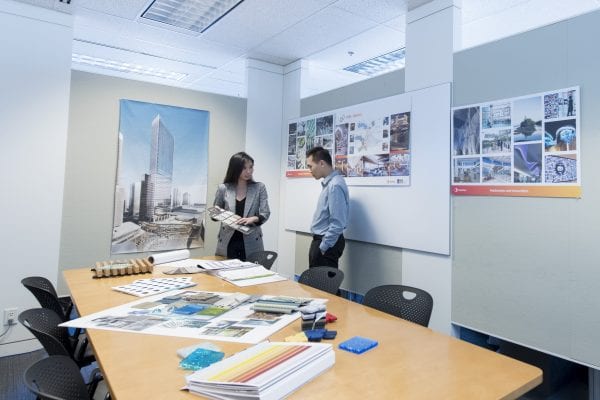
256, 206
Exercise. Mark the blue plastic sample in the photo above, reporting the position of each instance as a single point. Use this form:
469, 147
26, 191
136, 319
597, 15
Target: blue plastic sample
330, 334
201, 358
358, 344
315, 335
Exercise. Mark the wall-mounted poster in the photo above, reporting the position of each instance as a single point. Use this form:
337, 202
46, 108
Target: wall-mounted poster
369, 142
524, 146
162, 174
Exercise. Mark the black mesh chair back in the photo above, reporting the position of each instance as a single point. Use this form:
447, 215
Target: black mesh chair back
265, 258
46, 295
392, 299
56, 377
327, 279
43, 323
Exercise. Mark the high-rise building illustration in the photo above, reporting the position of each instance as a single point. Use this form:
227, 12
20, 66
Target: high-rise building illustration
186, 199
156, 189
134, 199
176, 201
119, 189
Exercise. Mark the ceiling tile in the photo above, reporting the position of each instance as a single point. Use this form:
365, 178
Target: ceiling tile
323, 29
377, 10
371, 43
255, 21
129, 9
398, 23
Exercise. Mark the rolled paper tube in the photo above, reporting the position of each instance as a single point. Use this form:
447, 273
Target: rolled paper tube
161, 258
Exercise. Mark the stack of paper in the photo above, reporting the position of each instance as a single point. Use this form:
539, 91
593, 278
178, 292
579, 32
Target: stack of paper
280, 304
249, 276
265, 371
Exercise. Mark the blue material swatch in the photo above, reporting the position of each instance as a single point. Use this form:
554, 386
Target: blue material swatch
358, 344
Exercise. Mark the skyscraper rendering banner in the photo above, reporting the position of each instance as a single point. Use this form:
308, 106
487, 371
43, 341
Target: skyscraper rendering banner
161, 180
525, 146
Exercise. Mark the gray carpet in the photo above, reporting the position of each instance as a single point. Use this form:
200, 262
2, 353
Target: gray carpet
12, 369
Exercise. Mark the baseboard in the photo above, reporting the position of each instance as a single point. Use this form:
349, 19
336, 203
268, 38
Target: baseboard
19, 347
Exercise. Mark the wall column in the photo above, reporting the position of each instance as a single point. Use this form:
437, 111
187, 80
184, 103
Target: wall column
292, 80
263, 137
432, 34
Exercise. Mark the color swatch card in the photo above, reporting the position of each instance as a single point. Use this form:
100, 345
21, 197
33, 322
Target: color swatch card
147, 287
228, 218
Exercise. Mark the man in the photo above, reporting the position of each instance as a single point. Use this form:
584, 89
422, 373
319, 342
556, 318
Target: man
331, 216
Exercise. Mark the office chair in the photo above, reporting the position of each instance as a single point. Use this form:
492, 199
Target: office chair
46, 295
327, 279
392, 299
43, 323
265, 258
56, 377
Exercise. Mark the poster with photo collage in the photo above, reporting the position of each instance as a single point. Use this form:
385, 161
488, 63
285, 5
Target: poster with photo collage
524, 146
369, 146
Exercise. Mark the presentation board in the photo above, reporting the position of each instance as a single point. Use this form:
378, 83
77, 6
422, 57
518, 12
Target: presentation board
416, 216
523, 146
369, 143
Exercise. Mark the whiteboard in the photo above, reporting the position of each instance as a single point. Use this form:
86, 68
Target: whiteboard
414, 217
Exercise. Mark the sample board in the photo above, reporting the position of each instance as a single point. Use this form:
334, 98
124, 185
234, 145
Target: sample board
416, 216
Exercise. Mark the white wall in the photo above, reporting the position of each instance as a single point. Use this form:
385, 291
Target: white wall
34, 81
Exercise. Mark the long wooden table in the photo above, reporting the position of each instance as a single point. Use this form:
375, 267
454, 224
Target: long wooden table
410, 362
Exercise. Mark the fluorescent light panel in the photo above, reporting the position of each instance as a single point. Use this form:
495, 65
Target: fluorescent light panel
193, 15
126, 67
380, 64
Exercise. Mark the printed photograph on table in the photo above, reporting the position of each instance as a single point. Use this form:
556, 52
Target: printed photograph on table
523, 146
199, 315
161, 179
369, 142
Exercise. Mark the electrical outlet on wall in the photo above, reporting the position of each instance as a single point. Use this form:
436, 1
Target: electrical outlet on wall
10, 316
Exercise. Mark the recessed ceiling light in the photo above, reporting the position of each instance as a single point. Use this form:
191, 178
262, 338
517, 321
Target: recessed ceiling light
126, 67
380, 64
193, 15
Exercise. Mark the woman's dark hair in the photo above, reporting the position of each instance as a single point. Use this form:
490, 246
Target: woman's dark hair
237, 162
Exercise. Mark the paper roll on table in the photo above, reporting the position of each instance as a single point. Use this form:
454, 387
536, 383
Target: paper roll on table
169, 256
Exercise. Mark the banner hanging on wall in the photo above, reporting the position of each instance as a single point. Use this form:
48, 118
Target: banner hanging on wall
162, 174
523, 146
369, 142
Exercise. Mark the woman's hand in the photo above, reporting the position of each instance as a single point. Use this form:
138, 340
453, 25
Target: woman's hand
247, 221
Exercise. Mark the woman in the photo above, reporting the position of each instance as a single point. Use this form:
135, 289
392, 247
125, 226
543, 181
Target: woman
245, 197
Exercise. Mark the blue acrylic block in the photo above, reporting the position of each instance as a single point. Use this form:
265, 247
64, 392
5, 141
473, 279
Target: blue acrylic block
201, 358
358, 344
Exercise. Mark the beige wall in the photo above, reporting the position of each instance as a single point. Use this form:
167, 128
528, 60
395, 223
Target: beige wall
92, 157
